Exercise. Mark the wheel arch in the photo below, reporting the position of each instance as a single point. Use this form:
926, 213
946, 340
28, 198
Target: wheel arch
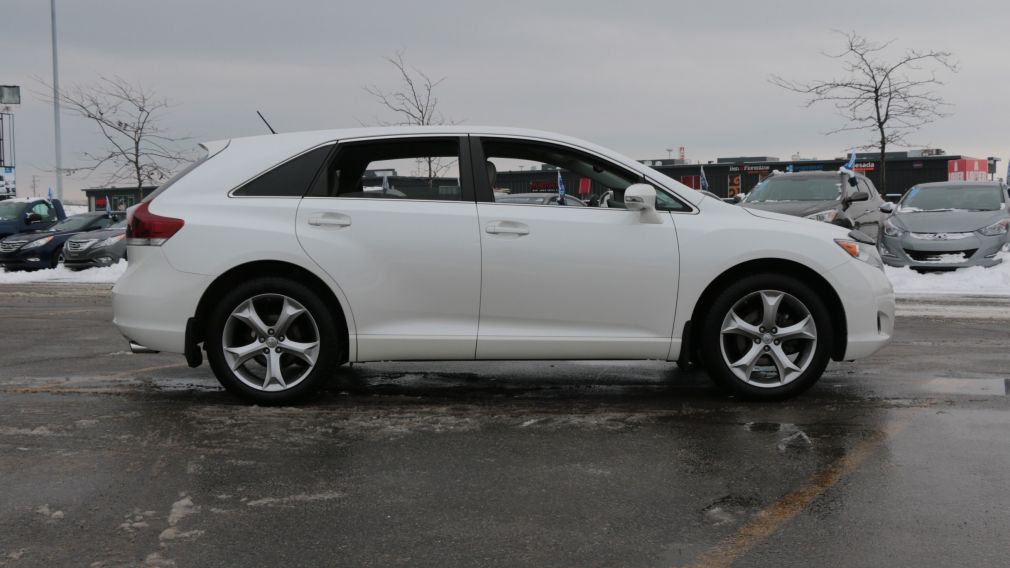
773, 266
274, 268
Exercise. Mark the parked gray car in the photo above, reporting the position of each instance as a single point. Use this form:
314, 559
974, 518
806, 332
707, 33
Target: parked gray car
842, 198
96, 248
946, 225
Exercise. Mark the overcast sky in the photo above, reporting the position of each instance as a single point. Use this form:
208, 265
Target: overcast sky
637, 76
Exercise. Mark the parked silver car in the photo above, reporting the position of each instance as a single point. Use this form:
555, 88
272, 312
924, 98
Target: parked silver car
946, 225
842, 198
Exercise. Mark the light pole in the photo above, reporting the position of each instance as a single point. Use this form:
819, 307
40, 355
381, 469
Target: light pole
56, 108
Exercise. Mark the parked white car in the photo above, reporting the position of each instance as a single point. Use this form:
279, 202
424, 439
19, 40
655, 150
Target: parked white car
270, 255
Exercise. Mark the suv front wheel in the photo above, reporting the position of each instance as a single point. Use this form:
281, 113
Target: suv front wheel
272, 341
767, 337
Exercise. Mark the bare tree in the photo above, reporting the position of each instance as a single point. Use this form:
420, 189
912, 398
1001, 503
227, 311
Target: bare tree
889, 97
137, 148
415, 103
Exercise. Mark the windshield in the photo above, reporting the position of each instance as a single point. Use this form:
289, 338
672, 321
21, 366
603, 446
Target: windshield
11, 210
119, 225
75, 223
796, 188
951, 197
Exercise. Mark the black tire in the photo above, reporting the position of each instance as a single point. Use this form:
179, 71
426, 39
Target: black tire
716, 354
331, 351
57, 255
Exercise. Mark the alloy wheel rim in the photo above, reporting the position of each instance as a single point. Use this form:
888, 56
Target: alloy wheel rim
768, 338
271, 342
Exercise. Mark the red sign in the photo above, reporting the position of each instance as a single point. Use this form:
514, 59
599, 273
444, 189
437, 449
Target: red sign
99, 202
543, 185
967, 169
585, 186
694, 182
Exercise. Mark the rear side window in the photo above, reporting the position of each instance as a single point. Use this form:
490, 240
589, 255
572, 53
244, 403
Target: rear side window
290, 179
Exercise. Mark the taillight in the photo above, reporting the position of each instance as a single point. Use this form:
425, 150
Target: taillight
144, 228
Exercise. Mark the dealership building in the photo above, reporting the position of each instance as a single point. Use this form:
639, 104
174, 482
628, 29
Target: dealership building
729, 176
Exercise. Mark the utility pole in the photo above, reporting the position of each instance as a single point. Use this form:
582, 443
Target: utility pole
56, 108
35, 180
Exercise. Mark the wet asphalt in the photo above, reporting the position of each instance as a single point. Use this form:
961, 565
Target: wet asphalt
110, 459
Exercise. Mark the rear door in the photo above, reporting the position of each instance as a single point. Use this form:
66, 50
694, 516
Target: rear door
393, 221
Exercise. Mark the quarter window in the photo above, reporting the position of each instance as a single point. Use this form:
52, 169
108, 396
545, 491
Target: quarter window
425, 169
290, 179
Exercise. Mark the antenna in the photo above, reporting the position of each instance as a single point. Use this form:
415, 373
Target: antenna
272, 131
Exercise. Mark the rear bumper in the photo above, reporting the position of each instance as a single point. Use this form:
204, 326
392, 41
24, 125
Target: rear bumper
868, 300
152, 301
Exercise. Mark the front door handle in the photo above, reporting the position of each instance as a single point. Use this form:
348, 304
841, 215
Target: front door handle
507, 228
330, 220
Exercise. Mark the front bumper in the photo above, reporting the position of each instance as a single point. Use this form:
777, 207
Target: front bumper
90, 258
868, 300
944, 254
31, 259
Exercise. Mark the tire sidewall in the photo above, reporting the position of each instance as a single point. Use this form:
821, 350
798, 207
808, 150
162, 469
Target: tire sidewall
331, 347
711, 337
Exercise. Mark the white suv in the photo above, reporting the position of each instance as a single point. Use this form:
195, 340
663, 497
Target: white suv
285, 256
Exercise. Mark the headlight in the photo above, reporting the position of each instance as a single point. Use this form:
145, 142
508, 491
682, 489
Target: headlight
997, 228
864, 252
110, 241
37, 243
892, 230
828, 216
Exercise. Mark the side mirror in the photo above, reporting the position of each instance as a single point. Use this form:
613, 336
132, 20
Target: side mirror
642, 197
33, 218
887, 207
857, 196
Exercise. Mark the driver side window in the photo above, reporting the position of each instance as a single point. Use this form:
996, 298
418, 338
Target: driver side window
45, 211
535, 173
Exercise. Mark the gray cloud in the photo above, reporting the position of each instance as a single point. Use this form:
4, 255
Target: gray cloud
639, 76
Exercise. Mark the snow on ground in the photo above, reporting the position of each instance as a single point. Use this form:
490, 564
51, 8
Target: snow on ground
106, 275
975, 280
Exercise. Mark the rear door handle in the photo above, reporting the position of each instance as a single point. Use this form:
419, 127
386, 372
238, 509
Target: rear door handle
330, 220
507, 228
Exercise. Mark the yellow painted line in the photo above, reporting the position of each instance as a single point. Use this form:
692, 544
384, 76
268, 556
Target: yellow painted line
772, 518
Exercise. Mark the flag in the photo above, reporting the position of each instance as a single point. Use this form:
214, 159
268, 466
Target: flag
108, 205
50, 194
385, 185
852, 161
561, 189
704, 180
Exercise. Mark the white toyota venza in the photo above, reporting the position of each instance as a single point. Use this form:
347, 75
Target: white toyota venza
282, 257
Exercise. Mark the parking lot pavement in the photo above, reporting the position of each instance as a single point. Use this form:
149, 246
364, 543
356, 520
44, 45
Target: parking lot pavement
111, 459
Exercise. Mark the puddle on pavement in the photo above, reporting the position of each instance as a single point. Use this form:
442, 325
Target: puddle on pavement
986, 387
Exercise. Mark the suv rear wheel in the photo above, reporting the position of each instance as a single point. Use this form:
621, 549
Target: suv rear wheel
767, 337
272, 341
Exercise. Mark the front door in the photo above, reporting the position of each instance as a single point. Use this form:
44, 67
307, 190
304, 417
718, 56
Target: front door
394, 223
568, 282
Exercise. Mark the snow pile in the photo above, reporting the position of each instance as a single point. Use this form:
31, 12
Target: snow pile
106, 275
75, 209
975, 280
